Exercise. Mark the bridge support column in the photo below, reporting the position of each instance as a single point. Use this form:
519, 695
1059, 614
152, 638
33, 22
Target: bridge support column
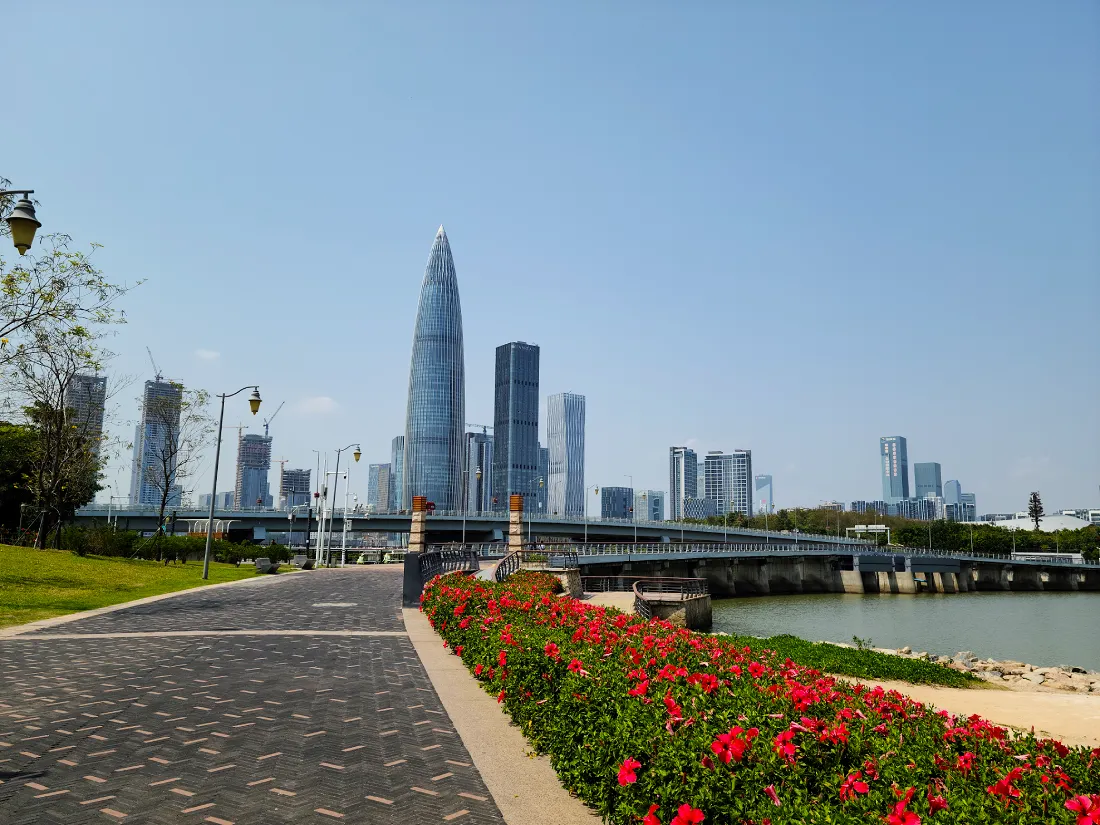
902, 582
991, 577
418, 527
1025, 578
784, 575
515, 523
1061, 578
1090, 579
749, 577
965, 578
852, 581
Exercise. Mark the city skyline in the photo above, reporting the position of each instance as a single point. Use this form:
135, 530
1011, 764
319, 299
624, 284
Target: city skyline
559, 225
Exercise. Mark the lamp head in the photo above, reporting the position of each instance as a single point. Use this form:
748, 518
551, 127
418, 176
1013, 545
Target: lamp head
254, 401
23, 225
477, 474
356, 454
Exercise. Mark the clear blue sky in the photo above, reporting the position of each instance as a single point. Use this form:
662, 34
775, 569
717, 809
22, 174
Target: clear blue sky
787, 227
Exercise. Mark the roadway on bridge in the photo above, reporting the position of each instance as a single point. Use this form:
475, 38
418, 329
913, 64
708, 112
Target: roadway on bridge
113, 718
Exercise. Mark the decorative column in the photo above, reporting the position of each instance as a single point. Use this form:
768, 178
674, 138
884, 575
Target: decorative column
418, 529
515, 522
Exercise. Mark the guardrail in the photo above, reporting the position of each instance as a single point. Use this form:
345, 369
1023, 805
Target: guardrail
436, 562
683, 588
557, 557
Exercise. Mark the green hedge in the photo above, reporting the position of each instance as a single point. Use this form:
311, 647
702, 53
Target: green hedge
650, 723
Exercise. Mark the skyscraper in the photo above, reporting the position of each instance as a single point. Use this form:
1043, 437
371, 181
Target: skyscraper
397, 474
156, 443
436, 414
765, 501
952, 490
85, 399
617, 503
728, 481
895, 468
927, 479
683, 470
649, 505
252, 490
565, 440
516, 423
293, 488
544, 474
378, 488
479, 472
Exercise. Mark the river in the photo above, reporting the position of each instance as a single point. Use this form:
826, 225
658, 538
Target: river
1037, 628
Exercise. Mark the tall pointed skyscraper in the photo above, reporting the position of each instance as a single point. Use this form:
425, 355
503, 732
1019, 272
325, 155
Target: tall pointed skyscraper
436, 416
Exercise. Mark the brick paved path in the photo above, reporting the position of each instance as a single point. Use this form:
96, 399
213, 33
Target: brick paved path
217, 728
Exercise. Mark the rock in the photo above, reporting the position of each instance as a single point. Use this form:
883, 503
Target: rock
964, 656
905, 651
921, 655
1075, 669
1057, 684
988, 675
1013, 679
1035, 677
1012, 670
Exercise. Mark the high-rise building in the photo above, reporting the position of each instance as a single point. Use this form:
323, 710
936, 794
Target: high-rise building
895, 468
879, 507
544, 475
397, 472
649, 505
378, 488
222, 502
252, 491
683, 477
765, 502
565, 440
728, 481
436, 416
927, 479
952, 491
969, 506
293, 488
156, 444
617, 503
699, 508
479, 472
516, 423
86, 399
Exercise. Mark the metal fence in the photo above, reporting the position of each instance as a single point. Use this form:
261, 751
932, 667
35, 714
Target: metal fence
436, 562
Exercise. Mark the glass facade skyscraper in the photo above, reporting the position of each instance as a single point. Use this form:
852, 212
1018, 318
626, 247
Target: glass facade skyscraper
252, 490
894, 455
156, 444
764, 499
397, 471
617, 503
516, 424
565, 440
728, 481
683, 475
649, 505
436, 416
479, 472
378, 488
927, 479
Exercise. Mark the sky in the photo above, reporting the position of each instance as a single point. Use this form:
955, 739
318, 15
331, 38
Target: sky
792, 228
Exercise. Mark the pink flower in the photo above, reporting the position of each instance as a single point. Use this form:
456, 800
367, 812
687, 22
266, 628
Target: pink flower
936, 803
899, 815
687, 815
783, 746
1087, 809
673, 709
627, 775
732, 746
773, 796
551, 650
576, 666
852, 785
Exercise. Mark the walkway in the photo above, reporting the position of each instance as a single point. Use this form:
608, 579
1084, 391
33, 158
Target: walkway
202, 708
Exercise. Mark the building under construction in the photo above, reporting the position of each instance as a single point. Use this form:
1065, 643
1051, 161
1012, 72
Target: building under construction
253, 465
294, 488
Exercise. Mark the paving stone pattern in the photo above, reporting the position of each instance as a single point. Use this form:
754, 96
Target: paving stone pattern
234, 729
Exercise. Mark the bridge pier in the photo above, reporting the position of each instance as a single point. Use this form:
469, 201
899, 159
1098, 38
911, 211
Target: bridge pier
991, 577
748, 577
820, 574
515, 522
784, 575
892, 582
1024, 578
851, 581
1059, 578
1089, 580
965, 578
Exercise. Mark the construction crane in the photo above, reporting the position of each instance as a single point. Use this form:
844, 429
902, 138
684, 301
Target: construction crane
484, 427
269, 420
156, 369
282, 465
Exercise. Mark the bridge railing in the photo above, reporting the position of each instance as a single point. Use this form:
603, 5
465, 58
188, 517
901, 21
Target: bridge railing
667, 585
535, 557
435, 562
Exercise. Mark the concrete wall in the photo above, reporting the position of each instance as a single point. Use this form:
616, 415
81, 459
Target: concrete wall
693, 613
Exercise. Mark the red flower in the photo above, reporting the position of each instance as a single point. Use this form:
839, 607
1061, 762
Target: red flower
464, 623
783, 746
732, 746
551, 650
687, 815
965, 763
756, 669
1087, 809
773, 796
458, 650
1004, 787
899, 815
477, 670
674, 709
852, 785
627, 775
500, 697
639, 689
576, 666
502, 659
936, 803
651, 817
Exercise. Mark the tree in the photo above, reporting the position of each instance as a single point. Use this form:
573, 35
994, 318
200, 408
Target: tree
16, 444
176, 428
1035, 508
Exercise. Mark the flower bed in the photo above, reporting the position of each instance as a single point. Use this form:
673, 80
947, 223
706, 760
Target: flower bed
653, 724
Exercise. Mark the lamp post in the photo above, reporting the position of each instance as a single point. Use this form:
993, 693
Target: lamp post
254, 405
21, 221
530, 538
356, 455
632, 514
595, 487
290, 532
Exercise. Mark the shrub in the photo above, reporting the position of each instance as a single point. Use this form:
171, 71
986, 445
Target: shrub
653, 724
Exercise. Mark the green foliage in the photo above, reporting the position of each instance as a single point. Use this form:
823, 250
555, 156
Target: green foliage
104, 540
37, 584
16, 443
647, 720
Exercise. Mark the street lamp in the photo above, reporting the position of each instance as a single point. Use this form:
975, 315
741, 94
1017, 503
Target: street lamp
332, 510
22, 221
530, 539
625, 475
254, 405
595, 487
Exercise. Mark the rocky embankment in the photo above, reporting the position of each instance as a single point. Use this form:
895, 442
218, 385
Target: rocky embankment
1010, 674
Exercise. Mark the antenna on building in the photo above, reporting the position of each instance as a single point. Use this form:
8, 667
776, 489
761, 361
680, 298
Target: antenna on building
269, 420
156, 369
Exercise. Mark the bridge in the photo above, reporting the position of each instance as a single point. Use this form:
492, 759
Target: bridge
453, 526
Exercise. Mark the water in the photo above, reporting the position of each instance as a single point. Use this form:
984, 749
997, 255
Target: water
1037, 628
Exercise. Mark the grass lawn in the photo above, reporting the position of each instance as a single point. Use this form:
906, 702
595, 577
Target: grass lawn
38, 584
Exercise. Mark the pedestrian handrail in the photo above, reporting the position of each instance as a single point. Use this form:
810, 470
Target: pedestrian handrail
436, 562
556, 557
665, 586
